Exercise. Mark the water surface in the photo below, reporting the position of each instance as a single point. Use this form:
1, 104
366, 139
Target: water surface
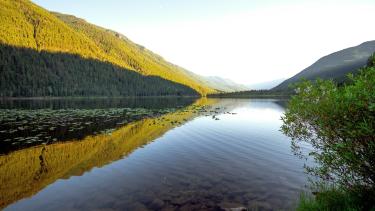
209, 154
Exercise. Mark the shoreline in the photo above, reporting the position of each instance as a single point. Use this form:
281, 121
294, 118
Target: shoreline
92, 97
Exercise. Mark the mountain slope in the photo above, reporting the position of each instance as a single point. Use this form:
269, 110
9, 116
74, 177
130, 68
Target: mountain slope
26, 25
120, 50
334, 66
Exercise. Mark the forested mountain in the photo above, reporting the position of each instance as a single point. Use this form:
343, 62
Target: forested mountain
120, 50
335, 66
131, 55
45, 53
24, 24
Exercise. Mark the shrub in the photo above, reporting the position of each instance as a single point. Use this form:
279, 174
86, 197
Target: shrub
339, 123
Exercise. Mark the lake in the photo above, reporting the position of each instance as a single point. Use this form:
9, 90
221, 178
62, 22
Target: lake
147, 154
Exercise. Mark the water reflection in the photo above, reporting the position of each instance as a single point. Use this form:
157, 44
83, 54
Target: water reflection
25, 172
231, 155
49, 121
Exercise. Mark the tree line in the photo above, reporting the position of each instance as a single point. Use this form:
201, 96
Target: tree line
26, 72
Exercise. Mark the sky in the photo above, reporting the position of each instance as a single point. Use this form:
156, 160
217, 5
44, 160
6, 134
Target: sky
247, 41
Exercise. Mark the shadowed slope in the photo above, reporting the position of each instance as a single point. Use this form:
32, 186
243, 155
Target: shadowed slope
27, 72
334, 66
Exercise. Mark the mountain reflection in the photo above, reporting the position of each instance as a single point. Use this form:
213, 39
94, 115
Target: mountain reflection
25, 172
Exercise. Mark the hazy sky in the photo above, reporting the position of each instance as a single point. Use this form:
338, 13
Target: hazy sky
248, 41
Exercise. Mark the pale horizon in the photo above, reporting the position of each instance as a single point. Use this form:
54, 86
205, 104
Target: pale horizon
246, 42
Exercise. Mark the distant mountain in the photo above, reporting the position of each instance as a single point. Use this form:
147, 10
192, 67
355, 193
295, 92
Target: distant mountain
334, 66
265, 85
223, 84
45, 53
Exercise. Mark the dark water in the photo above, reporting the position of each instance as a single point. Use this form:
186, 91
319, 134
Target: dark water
95, 103
207, 154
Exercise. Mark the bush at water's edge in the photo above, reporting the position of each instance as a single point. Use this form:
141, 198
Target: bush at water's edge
339, 123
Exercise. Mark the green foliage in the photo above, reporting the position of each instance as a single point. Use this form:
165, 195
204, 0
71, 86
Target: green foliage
24, 24
339, 123
371, 61
29, 73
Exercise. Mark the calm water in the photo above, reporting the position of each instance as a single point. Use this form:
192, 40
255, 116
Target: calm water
205, 154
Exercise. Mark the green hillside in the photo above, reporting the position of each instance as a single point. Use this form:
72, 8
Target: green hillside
25, 25
120, 50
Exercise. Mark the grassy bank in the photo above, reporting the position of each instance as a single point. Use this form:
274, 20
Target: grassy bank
335, 198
